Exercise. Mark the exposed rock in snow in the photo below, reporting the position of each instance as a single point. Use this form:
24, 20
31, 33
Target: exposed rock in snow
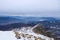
25, 33
40, 30
28, 33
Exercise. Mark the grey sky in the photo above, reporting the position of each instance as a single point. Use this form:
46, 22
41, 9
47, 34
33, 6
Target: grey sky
30, 7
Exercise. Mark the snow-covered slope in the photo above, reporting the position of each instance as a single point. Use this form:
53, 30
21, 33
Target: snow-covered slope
7, 35
25, 33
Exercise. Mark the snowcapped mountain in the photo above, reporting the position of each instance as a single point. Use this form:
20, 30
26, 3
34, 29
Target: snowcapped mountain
25, 33
50, 24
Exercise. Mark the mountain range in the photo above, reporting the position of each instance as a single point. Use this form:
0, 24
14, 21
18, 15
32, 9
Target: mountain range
50, 24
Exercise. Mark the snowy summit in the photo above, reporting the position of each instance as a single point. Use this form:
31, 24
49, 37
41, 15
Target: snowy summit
25, 33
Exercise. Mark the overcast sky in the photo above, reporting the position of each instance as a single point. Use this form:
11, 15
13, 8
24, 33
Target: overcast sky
49, 8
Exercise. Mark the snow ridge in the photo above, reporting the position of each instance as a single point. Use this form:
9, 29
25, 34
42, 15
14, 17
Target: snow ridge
26, 33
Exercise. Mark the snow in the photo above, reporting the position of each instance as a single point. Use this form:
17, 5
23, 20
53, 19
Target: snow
9, 35
29, 31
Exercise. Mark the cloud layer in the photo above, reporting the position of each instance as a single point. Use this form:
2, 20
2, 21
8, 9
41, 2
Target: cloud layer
29, 7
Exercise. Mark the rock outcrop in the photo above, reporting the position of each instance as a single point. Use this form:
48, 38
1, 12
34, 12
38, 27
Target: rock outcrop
40, 30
